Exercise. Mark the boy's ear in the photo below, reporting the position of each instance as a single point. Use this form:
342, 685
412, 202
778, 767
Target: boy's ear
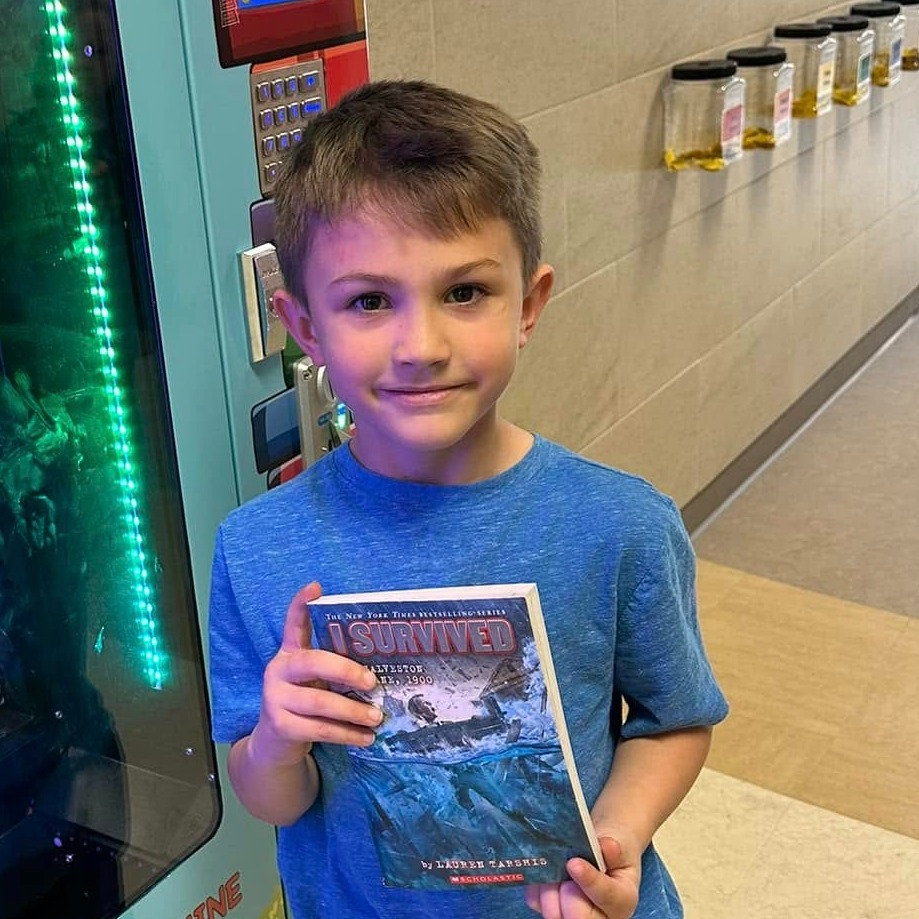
535, 300
296, 319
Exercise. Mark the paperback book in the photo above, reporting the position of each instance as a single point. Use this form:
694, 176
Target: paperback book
471, 780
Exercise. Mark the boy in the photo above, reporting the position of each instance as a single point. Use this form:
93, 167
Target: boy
408, 233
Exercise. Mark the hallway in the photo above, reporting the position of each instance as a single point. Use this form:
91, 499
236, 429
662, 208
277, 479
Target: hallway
809, 604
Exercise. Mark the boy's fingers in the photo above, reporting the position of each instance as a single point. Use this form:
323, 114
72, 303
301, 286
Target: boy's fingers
611, 849
312, 702
297, 629
612, 893
325, 666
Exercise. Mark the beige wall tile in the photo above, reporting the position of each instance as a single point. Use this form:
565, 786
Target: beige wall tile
617, 194
400, 39
904, 164
525, 55
659, 439
754, 14
676, 292
855, 179
650, 35
563, 387
827, 315
890, 261
777, 235
546, 131
753, 166
745, 383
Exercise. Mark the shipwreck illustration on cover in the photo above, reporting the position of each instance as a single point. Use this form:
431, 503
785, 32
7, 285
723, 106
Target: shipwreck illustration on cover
466, 783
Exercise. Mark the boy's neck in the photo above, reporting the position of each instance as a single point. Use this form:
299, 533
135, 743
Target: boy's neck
500, 449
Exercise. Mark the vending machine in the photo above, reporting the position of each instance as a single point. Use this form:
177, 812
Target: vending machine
145, 390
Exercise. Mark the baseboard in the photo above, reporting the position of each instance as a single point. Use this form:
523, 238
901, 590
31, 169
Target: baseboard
714, 495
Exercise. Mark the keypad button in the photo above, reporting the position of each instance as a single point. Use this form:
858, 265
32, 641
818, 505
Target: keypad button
292, 86
269, 145
271, 172
311, 107
293, 111
284, 141
307, 82
296, 136
277, 89
263, 92
280, 115
266, 119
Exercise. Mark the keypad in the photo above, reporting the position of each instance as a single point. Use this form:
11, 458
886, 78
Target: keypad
282, 99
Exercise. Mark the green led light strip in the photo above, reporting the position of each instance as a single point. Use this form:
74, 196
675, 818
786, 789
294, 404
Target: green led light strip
152, 652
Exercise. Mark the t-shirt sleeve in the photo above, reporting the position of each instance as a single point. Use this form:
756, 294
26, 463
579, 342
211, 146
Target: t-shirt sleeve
662, 669
236, 671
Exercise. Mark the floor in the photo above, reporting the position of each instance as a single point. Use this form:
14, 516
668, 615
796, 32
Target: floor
809, 602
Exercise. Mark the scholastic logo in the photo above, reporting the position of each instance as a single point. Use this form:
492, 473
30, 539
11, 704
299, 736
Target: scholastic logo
486, 879
229, 896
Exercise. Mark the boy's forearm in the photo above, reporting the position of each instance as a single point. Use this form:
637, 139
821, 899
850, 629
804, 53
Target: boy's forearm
649, 778
276, 794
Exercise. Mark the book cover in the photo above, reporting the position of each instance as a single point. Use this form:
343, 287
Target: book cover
471, 780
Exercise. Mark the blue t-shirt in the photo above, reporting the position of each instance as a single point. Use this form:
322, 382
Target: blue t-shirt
615, 571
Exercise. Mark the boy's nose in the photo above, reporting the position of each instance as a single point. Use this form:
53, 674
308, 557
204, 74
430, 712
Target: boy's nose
420, 337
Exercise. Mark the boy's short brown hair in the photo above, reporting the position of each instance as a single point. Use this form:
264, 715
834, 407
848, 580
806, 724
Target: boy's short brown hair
426, 156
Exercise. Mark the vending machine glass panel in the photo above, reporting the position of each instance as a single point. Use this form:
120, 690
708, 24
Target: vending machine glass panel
107, 773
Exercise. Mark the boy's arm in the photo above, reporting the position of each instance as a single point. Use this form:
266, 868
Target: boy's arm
649, 778
278, 794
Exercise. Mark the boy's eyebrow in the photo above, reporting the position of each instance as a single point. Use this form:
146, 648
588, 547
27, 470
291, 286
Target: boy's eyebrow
384, 279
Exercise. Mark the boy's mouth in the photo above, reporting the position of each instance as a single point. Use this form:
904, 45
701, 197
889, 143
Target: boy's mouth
418, 395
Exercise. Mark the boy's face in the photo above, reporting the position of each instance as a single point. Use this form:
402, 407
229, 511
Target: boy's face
420, 337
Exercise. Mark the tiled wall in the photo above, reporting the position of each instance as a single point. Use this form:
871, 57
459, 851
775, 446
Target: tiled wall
691, 309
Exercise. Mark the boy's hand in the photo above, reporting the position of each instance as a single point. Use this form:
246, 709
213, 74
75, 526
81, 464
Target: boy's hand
591, 894
298, 708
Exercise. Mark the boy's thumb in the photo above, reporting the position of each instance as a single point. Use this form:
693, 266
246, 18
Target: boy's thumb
298, 631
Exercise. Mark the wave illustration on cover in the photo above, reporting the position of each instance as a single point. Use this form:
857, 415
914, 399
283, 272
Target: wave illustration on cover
466, 783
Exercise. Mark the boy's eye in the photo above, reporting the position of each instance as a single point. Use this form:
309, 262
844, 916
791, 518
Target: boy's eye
369, 303
465, 293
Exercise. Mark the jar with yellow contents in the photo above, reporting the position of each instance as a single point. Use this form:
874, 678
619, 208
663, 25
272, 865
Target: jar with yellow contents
854, 56
767, 104
911, 38
703, 115
812, 49
889, 24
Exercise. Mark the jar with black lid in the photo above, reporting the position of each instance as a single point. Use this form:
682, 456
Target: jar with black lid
812, 49
854, 56
911, 38
703, 115
889, 25
769, 79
